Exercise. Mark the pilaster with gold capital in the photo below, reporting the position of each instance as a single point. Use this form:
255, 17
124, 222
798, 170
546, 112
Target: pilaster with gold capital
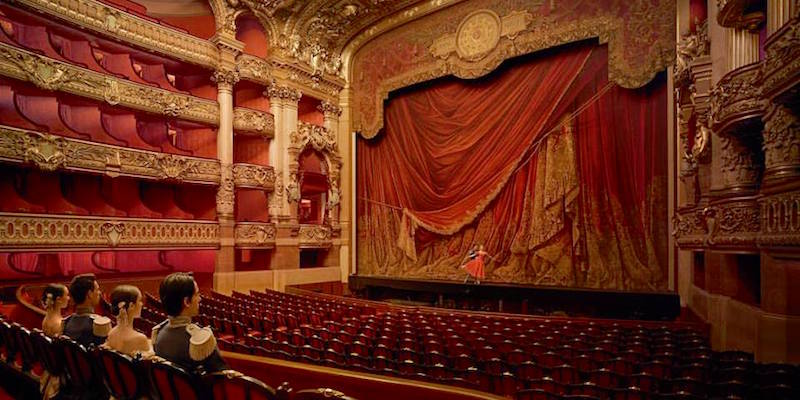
283, 104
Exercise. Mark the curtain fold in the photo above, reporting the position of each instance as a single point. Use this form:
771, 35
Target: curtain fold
457, 165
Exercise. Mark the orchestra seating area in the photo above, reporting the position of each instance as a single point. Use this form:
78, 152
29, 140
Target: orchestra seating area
515, 356
100, 372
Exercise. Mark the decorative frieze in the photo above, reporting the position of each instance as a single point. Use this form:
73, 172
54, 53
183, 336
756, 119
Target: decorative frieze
781, 143
50, 152
25, 231
736, 101
733, 223
55, 75
780, 220
246, 120
781, 69
255, 235
740, 162
254, 176
119, 25
690, 229
254, 69
316, 136
314, 236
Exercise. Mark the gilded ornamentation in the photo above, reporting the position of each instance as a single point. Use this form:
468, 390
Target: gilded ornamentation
691, 46
783, 59
225, 194
321, 139
113, 231
255, 235
225, 77
276, 91
254, 68
781, 139
329, 109
735, 222
246, 120
314, 236
638, 48
702, 142
293, 188
479, 33
50, 152
690, 227
740, 165
254, 176
780, 220
119, 25
31, 232
21, 64
736, 99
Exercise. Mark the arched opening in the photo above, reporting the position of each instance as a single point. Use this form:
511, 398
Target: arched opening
313, 176
250, 31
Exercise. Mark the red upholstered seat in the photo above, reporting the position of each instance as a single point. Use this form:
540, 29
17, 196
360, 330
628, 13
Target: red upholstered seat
79, 367
228, 386
168, 381
124, 377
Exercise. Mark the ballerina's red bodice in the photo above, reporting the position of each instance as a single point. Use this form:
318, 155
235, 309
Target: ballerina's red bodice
476, 266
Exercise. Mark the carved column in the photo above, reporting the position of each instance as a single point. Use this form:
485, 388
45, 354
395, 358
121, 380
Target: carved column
781, 144
331, 113
283, 104
226, 77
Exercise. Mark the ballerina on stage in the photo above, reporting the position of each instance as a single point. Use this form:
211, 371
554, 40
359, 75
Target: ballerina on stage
475, 266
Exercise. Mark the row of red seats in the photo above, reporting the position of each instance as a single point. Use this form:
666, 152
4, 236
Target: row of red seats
100, 372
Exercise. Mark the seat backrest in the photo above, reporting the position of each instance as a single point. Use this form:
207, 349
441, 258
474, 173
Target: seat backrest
320, 394
79, 365
123, 376
49, 354
169, 381
227, 386
25, 345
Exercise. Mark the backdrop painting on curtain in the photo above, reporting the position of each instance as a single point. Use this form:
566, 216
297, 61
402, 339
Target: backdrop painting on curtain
575, 202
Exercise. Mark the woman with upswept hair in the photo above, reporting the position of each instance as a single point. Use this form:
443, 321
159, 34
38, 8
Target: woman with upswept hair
127, 304
55, 298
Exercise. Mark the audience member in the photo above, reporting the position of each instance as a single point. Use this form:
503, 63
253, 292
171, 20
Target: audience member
179, 340
55, 298
126, 304
83, 325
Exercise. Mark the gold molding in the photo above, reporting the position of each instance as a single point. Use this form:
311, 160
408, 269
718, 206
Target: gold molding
736, 99
781, 71
50, 152
247, 120
254, 176
255, 235
315, 236
121, 25
254, 69
31, 231
531, 32
780, 220
50, 74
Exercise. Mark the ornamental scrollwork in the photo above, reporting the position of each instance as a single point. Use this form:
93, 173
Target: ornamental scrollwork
780, 220
254, 68
329, 109
26, 231
253, 121
86, 83
225, 193
782, 61
781, 139
691, 46
276, 91
736, 98
740, 165
318, 137
255, 176
255, 235
50, 152
225, 77
314, 235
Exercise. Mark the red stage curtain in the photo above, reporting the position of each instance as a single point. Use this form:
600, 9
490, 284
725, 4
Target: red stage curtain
458, 156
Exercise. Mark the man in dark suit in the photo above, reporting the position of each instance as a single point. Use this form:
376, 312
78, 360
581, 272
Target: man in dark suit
179, 340
81, 326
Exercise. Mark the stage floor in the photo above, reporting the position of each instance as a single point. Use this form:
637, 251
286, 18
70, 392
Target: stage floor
523, 299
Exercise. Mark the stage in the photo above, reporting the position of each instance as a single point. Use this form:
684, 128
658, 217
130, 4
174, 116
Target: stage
523, 299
